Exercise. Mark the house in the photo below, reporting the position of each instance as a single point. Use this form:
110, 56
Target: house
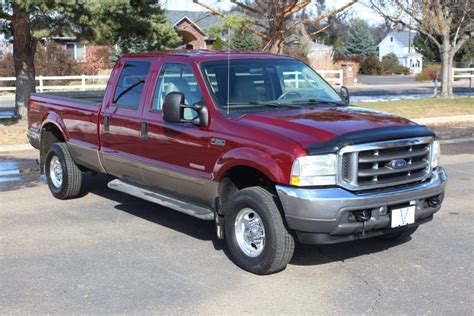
401, 44
192, 27
6, 46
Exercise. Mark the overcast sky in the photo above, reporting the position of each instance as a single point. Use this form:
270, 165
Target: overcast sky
359, 9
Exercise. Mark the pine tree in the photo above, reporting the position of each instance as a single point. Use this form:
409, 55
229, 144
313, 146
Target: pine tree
102, 22
360, 41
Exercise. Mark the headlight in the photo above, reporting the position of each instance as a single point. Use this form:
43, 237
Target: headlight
435, 154
314, 170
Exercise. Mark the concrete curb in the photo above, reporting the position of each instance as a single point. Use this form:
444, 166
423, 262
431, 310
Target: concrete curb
19, 147
442, 120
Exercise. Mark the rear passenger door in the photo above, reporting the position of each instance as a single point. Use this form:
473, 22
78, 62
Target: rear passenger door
120, 129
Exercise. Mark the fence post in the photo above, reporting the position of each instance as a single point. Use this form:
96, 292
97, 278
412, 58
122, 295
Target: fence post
297, 79
41, 85
341, 75
83, 82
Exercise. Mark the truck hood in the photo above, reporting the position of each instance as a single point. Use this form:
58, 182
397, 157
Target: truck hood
313, 125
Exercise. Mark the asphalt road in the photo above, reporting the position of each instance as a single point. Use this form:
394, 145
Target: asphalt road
111, 253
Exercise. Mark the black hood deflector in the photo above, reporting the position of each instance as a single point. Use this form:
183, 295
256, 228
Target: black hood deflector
368, 136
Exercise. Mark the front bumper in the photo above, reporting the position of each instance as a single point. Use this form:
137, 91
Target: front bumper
322, 216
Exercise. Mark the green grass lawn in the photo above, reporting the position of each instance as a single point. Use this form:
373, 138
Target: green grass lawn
424, 107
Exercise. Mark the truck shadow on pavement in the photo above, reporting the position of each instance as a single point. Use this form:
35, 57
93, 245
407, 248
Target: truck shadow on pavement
306, 255
205, 231
194, 227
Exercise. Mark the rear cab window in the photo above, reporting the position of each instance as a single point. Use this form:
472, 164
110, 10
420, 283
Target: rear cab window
131, 84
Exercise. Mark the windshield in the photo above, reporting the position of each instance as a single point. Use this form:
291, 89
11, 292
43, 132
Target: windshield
272, 82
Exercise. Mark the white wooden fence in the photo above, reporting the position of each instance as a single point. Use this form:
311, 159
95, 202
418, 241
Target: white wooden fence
86, 83
334, 77
463, 73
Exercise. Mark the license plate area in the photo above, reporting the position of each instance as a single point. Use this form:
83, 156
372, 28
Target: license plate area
402, 214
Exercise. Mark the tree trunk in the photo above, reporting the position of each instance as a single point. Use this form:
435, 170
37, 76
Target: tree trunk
447, 67
450, 74
24, 47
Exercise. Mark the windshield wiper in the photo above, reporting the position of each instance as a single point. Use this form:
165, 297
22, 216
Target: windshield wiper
263, 103
317, 101
274, 104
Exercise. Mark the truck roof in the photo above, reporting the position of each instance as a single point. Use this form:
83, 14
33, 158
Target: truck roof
207, 54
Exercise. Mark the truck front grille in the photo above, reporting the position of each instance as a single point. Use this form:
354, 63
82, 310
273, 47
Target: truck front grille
384, 164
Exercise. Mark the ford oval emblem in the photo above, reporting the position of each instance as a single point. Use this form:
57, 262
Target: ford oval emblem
397, 164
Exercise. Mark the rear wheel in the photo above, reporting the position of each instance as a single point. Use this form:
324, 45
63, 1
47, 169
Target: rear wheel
63, 175
255, 234
399, 234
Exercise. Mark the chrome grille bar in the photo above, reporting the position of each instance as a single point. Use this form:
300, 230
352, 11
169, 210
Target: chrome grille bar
384, 164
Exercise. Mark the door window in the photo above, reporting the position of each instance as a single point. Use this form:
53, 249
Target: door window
131, 83
176, 77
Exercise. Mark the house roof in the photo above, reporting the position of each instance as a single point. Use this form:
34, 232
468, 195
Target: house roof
202, 19
403, 37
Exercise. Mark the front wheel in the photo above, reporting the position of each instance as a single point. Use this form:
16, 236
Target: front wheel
255, 234
63, 175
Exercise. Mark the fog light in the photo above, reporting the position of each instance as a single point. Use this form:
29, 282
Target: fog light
363, 216
433, 201
382, 210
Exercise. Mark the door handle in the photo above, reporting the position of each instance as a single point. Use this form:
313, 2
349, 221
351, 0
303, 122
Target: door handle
106, 123
144, 130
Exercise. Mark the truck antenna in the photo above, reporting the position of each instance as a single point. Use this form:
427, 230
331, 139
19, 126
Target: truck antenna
228, 69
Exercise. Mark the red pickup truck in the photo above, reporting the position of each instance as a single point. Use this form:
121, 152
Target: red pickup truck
258, 143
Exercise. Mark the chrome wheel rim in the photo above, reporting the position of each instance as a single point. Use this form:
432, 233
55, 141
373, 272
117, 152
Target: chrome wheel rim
56, 172
250, 232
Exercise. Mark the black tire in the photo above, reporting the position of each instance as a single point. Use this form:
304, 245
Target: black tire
70, 186
402, 234
279, 244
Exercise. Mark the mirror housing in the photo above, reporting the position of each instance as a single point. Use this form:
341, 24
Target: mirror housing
173, 110
345, 95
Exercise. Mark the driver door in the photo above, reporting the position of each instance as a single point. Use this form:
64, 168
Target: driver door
176, 154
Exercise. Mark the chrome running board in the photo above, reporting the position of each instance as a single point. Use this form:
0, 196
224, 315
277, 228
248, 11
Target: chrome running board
162, 199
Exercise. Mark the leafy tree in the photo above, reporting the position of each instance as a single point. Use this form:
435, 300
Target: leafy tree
360, 40
135, 26
245, 41
234, 29
218, 43
30, 21
426, 47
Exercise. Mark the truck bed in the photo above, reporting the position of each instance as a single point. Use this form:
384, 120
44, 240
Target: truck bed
89, 97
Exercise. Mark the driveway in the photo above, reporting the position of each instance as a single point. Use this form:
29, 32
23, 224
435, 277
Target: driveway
112, 253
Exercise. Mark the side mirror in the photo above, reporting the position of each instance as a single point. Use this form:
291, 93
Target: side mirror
173, 110
345, 95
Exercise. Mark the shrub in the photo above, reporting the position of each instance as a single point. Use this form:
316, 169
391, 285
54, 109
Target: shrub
354, 58
390, 64
51, 60
97, 59
405, 70
371, 66
428, 73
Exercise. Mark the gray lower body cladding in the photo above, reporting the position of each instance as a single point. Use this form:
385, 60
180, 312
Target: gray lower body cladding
327, 212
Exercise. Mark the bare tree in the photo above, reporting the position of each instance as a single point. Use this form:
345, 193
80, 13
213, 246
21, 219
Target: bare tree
447, 23
273, 20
